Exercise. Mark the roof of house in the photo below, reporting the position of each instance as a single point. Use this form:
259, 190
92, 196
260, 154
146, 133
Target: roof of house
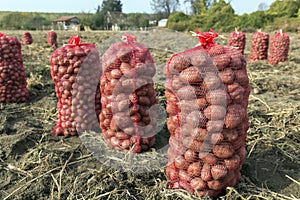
64, 18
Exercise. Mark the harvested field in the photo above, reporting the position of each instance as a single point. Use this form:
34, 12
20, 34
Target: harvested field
34, 164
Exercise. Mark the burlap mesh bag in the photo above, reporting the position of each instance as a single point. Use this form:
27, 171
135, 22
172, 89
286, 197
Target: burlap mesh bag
128, 115
52, 38
75, 70
27, 38
13, 86
259, 46
279, 48
237, 39
207, 91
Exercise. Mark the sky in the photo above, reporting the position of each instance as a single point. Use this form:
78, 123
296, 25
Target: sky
129, 6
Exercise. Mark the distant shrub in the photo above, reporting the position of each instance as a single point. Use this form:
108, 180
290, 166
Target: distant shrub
178, 21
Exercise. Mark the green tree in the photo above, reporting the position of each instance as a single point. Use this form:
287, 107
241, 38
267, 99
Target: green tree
220, 16
111, 5
284, 8
87, 19
137, 20
253, 21
100, 18
36, 22
165, 7
13, 21
199, 6
178, 21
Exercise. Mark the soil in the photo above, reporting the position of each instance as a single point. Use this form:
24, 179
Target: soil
34, 164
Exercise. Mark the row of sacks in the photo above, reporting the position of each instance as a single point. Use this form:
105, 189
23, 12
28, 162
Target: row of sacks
279, 44
274, 49
207, 90
51, 38
13, 86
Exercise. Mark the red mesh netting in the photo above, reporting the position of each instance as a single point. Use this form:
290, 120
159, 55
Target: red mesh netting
207, 90
52, 38
279, 48
259, 46
75, 70
128, 117
27, 38
13, 86
237, 39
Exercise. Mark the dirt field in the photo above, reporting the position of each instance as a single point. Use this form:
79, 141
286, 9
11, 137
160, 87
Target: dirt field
34, 164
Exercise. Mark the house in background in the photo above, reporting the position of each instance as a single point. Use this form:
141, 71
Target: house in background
114, 20
162, 23
67, 23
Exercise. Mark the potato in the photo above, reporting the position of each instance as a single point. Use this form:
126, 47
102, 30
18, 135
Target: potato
198, 184
187, 93
179, 63
235, 115
196, 119
236, 93
218, 171
230, 134
183, 175
194, 169
208, 192
186, 186
227, 75
221, 61
223, 150
211, 81
190, 155
242, 77
233, 162
216, 50
191, 75
208, 158
181, 163
216, 185
217, 97
172, 173
206, 172
215, 112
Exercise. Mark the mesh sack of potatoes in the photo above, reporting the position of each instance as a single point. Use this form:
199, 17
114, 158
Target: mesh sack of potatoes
207, 90
27, 38
237, 39
259, 46
52, 38
75, 70
279, 48
128, 117
13, 86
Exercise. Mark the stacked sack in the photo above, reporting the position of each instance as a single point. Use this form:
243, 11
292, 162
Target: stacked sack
75, 70
128, 99
27, 38
279, 48
237, 39
207, 91
13, 86
259, 46
52, 38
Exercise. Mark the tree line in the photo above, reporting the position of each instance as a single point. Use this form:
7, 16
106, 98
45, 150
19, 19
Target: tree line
202, 14
220, 16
